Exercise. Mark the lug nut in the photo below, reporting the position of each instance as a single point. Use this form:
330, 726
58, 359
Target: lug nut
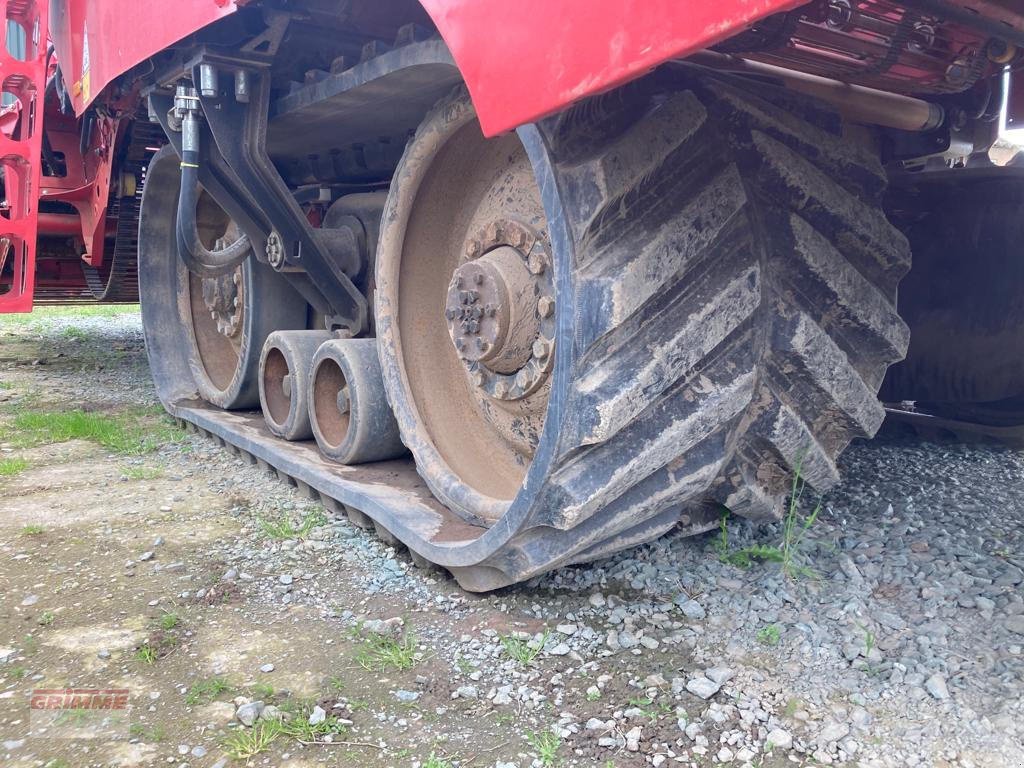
523, 378
501, 388
344, 404
478, 378
536, 263
545, 306
540, 348
286, 385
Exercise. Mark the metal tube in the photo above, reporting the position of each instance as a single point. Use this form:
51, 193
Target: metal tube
66, 225
855, 102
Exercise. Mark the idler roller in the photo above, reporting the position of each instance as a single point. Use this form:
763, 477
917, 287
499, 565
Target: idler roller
284, 381
349, 413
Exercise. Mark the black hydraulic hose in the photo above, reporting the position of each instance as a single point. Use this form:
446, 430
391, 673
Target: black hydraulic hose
197, 257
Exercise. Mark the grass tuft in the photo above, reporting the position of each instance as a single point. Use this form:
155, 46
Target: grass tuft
436, 762
545, 744
380, 653
244, 744
788, 551
146, 654
769, 635
128, 433
206, 691
143, 473
283, 528
11, 467
33, 529
523, 651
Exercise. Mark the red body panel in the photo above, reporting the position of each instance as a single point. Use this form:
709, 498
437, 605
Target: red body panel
20, 149
98, 40
522, 59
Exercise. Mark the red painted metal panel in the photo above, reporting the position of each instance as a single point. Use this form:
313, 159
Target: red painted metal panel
98, 40
20, 147
525, 59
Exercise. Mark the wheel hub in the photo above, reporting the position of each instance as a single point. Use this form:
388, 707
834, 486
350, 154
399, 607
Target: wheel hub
500, 311
222, 297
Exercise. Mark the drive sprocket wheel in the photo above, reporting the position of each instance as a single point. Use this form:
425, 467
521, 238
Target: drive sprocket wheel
214, 326
722, 296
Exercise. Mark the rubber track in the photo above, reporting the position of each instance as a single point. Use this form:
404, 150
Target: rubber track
731, 295
120, 281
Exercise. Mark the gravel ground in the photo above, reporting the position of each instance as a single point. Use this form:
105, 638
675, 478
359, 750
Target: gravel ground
895, 639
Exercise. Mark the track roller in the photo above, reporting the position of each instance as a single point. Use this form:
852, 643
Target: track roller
349, 412
284, 381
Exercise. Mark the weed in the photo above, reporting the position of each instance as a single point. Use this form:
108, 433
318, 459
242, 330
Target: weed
76, 333
380, 653
169, 621
283, 528
206, 690
262, 690
11, 467
546, 744
156, 734
523, 651
245, 743
30, 644
787, 552
300, 729
57, 762
17, 673
336, 683
6, 385
146, 654
769, 635
33, 530
436, 762
795, 527
143, 473
652, 713
593, 695
45, 619
792, 706
128, 433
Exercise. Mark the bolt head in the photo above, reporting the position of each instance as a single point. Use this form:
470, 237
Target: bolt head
523, 378
540, 348
286, 385
536, 263
477, 378
545, 306
501, 388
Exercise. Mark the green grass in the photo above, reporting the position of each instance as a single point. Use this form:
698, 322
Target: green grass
75, 333
380, 653
206, 691
146, 654
245, 743
593, 695
436, 762
521, 650
155, 734
46, 618
769, 635
45, 313
649, 709
169, 621
283, 527
545, 744
130, 433
11, 467
261, 690
788, 552
143, 473
33, 529
16, 673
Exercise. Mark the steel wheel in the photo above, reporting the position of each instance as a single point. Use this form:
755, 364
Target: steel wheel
465, 291
213, 328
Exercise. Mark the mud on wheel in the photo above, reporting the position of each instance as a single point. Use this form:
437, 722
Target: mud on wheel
205, 331
674, 293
